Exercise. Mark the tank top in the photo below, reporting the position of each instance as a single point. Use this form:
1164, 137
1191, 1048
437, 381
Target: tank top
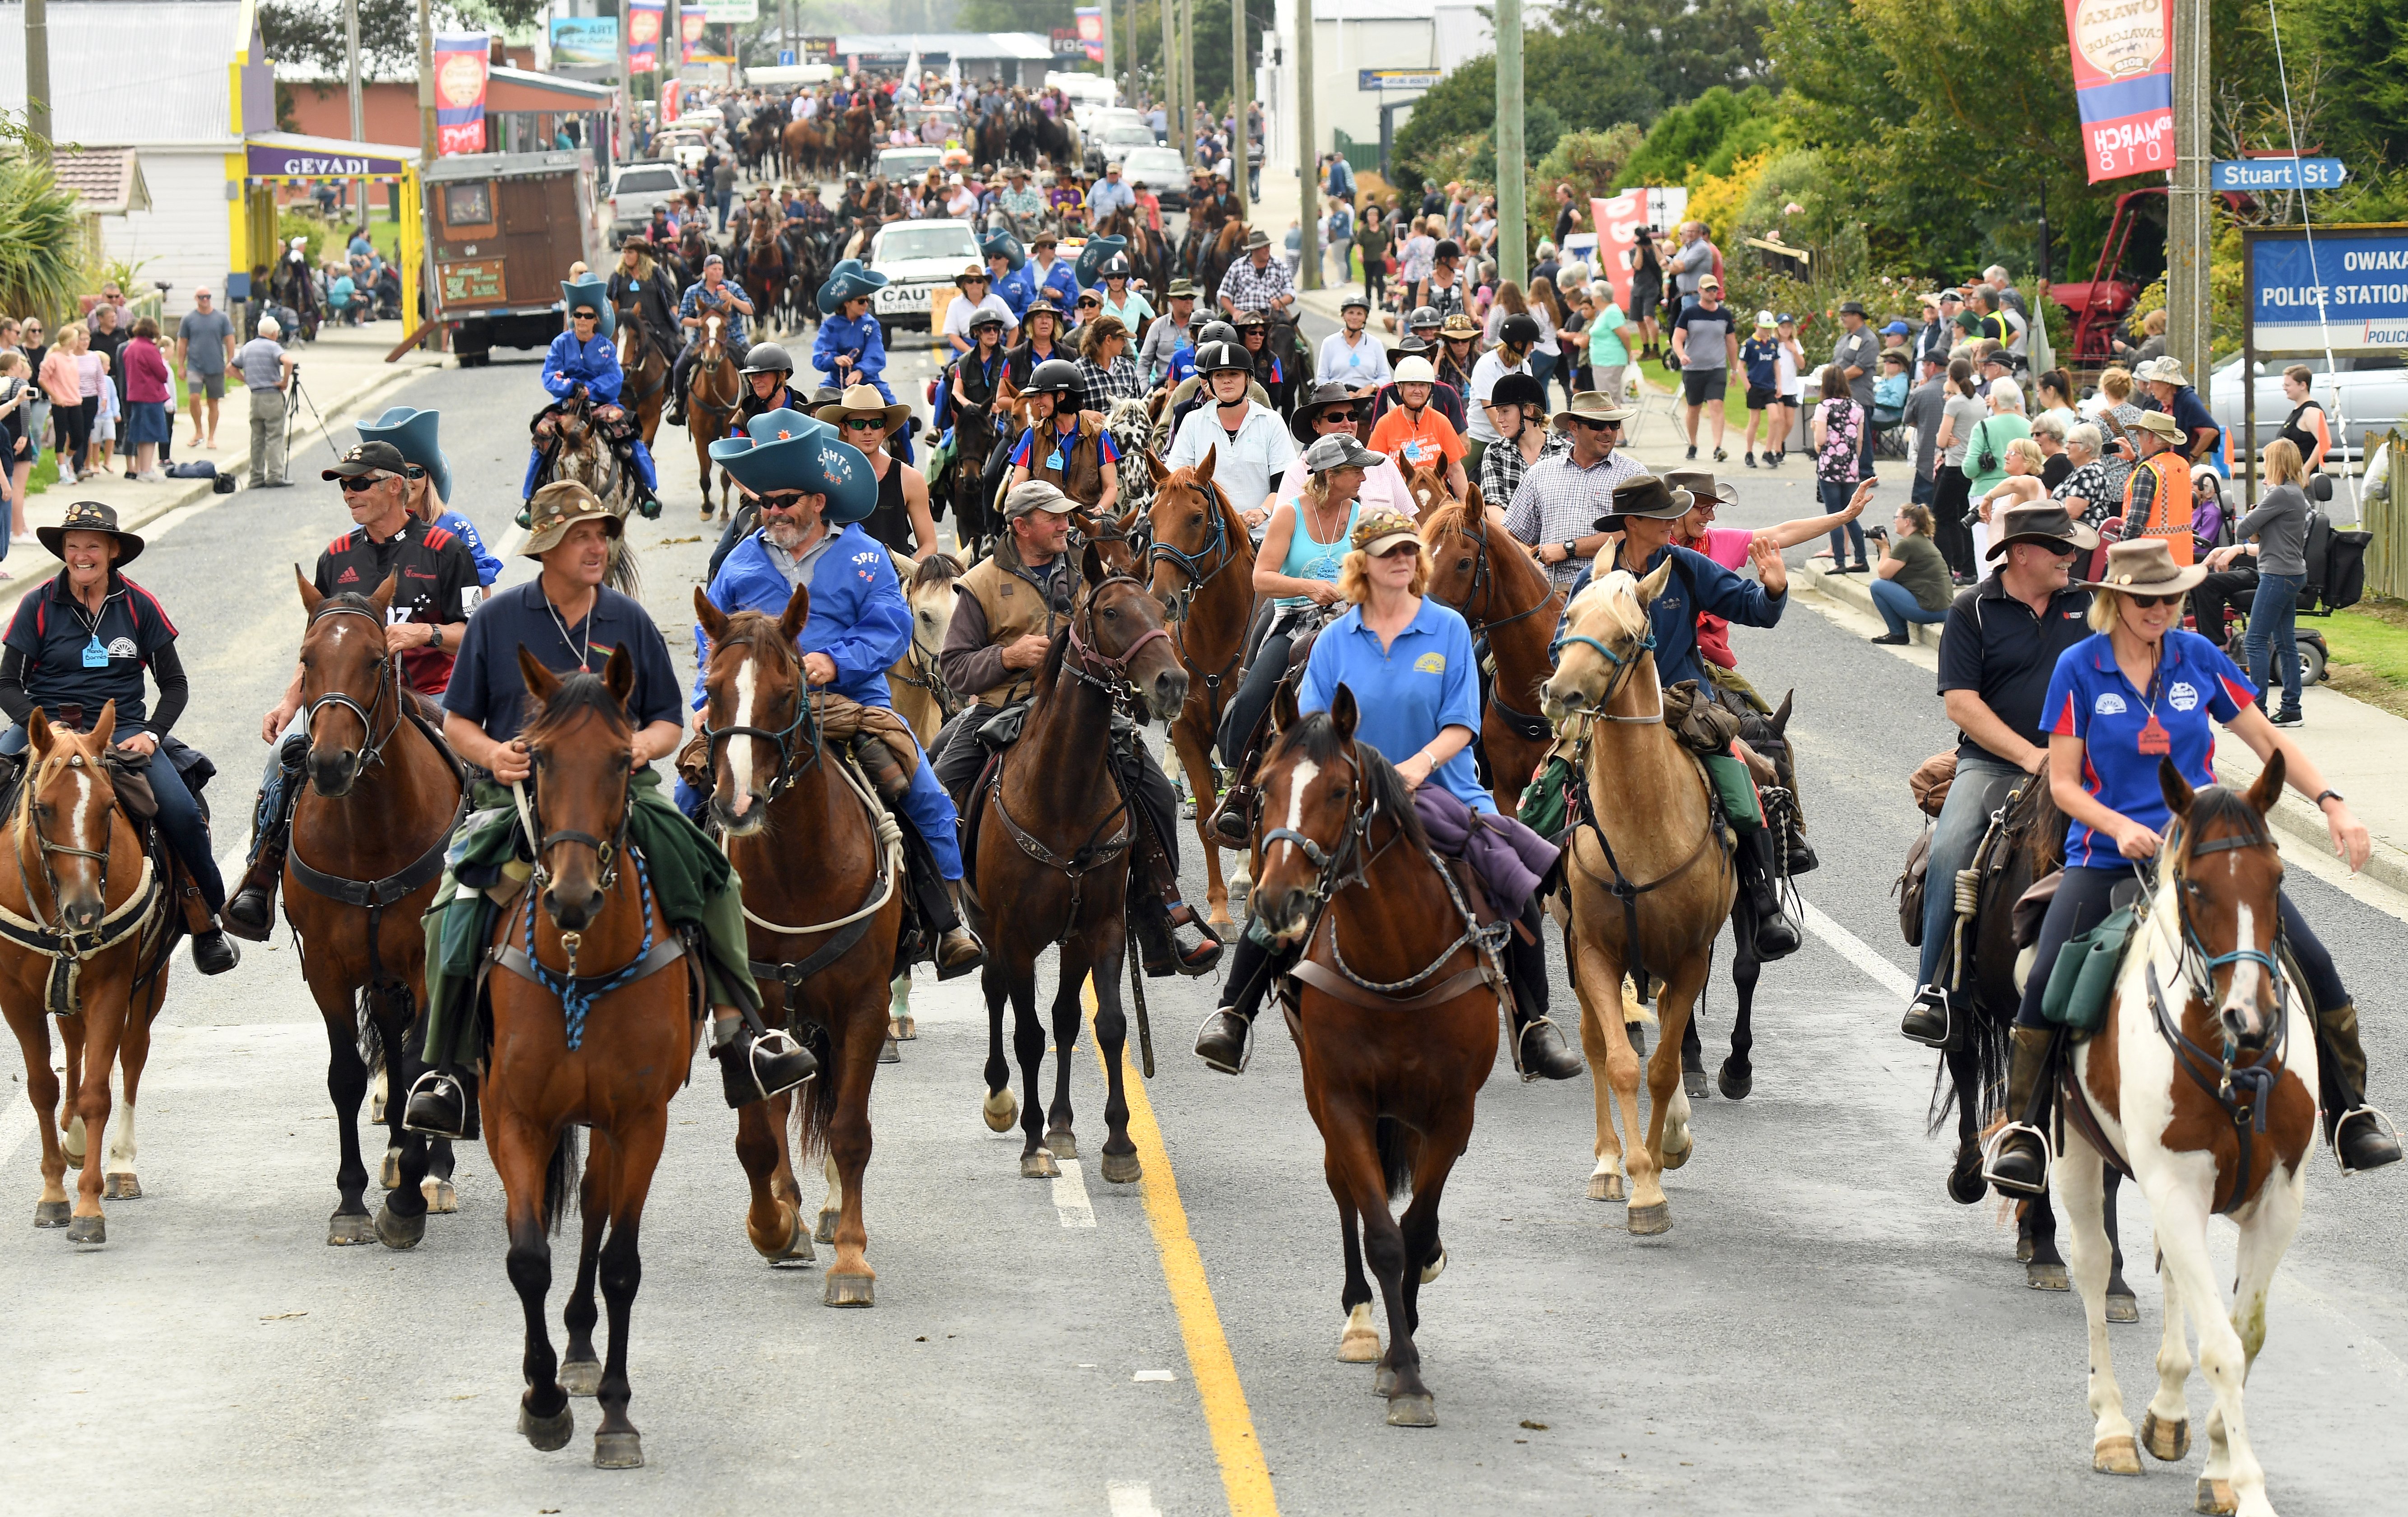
2301, 439
1308, 559
890, 519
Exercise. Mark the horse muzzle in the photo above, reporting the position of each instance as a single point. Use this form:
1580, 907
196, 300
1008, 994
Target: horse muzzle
333, 772
741, 817
1166, 694
1284, 910
572, 907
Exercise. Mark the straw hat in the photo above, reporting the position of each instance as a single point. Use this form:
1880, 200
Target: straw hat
2146, 566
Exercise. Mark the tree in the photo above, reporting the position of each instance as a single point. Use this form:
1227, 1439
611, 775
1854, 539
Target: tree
1687, 47
1587, 80
311, 31
1705, 136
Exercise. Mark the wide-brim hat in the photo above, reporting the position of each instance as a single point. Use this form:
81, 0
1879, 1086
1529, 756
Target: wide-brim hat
2146, 566
1299, 426
1099, 251
558, 507
590, 291
1042, 302
413, 432
1377, 531
2046, 521
1592, 405
1458, 326
975, 271
1851, 307
1257, 238
849, 281
2160, 371
2159, 425
865, 400
1008, 245
1702, 484
1181, 289
90, 516
1648, 499
785, 450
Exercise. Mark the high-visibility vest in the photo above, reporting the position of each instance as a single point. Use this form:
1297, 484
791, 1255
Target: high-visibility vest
2170, 511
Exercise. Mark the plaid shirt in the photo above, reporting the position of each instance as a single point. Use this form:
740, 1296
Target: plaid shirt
1098, 387
1501, 467
1248, 287
1558, 500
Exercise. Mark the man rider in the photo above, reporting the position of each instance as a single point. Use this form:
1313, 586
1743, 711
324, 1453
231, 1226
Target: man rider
1008, 607
710, 296
900, 519
1166, 339
583, 364
1046, 277
1062, 446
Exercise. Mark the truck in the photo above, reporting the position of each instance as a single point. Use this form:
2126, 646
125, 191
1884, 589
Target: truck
502, 229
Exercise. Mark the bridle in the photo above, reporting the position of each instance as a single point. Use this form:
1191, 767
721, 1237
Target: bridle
795, 759
1485, 584
1623, 669
71, 942
343, 700
1216, 546
1084, 662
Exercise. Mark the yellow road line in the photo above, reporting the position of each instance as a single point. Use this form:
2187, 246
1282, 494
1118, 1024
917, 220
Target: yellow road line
1244, 1477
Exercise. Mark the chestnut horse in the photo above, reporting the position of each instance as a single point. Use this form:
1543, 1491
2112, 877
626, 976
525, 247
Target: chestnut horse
713, 389
764, 271
1050, 858
369, 836
1508, 599
573, 1048
1202, 568
807, 842
1395, 1032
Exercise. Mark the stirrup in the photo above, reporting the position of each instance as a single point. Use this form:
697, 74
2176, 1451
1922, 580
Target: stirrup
1947, 1017
1998, 1140
432, 1083
1245, 1049
2382, 1124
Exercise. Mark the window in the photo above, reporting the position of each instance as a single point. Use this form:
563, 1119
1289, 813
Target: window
468, 205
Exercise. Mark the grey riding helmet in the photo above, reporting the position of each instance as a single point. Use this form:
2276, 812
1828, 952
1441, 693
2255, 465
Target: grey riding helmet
1423, 317
987, 318
766, 358
1054, 377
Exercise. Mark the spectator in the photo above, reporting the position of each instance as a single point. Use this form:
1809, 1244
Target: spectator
1547, 264
1340, 183
1692, 267
2117, 416
1337, 242
267, 371
1292, 248
1839, 428
110, 329
1921, 417
1962, 413
723, 185
1889, 390
1910, 582
1568, 215
1548, 360
2176, 398
204, 348
2152, 345
1791, 378
2087, 495
2003, 289
1707, 349
2056, 397
2305, 427
149, 397
2279, 526
2048, 430
342, 295
1646, 289
1856, 355
1611, 333
1760, 356
1986, 463
17, 392
97, 386
61, 380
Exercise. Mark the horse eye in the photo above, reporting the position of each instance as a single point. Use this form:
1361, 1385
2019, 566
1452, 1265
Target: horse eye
1112, 611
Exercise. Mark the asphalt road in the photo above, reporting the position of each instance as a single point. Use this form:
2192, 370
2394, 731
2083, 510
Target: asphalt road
1822, 1330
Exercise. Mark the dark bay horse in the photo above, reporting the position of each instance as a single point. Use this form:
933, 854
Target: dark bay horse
644, 358
1508, 599
1391, 1076
368, 835
713, 389
576, 1048
1050, 859
805, 840
764, 270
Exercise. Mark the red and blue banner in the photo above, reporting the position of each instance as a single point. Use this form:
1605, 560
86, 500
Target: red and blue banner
461, 61
2123, 83
1090, 21
690, 25
645, 19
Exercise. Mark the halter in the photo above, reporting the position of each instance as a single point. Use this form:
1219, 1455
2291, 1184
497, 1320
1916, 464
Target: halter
74, 944
792, 764
1623, 669
1107, 673
342, 701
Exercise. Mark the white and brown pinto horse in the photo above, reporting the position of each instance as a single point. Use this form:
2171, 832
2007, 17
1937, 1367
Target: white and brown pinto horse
2202, 1086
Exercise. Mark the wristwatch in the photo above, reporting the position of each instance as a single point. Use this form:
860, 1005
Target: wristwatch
2324, 796
1572, 550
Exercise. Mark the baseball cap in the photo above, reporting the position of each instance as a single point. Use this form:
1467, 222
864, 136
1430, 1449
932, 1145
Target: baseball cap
1764, 318
1036, 495
367, 458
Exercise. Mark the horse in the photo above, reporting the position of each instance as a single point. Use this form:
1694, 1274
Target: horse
606, 1052
1391, 1076
1221, 250
765, 269
2202, 1086
809, 847
1648, 840
852, 137
1508, 599
89, 945
920, 699
1130, 421
1201, 564
1050, 848
712, 391
383, 799
977, 433
993, 139
645, 364
581, 453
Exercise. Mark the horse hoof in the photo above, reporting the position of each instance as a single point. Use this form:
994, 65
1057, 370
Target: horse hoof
2023, 1251
580, 1376
397, 1232
547, 1433
440, 1196
73, 1156
390, 1176
889, 1054
2115, 1456
1675, 1158
1735, 1083
120, 1188
1646, 1221
1605, 1187
618, 1451
2123, 1308
1693, 1083
2166, 1441
1413, 1411
1036, 1164
1360, 1343
1122, 1169
1432, 1271
2212, 1496
849, 1291
2045, 1277
798, 1248
1384, 1381
51, 1213
1064, 1142
1965, 1186
902, 1029
345, 1229
826, 1231
87, 1232
1001, 1108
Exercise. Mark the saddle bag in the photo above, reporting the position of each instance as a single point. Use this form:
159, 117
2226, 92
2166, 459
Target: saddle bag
2085, 973
1930, 781
1002, 730
1546, 806
1912, 882
1703, 725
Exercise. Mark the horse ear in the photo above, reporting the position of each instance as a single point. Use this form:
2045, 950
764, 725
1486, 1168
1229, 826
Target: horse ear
1342, 713
106, 729
1204, 466
2177, 790
713, 620
1283, 712
1091, 564
619, 675
2269, 788
382, 599
799, 611
1153, 467
309, 596
1780, 723
1654, 584
541, 682
38, 732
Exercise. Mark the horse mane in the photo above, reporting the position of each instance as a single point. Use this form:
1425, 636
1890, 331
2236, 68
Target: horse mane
2041, 823
1315, 736
1454, 516
937, 569
579, 693
2216, 803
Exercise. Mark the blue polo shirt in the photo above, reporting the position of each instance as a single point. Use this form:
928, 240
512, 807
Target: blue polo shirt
1425, 680
2196, 686
486, 686
53, 631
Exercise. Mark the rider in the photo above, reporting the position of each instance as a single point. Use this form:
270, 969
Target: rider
1009, 605
769, 375
900, 517
415, 433
976, 296
567, 620
1269, 369
1003, 258
1041, 328
583, 365
850, 348
1248, 446
1069, 449
435, 588
1415, 434
1022, 207
1158, 357
641, 294
1131, 308
710, 296
2140, 692
83, 640
1458, 352
1046, 277
1409, 660
811, 490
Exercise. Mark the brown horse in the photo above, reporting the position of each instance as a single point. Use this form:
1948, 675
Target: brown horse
805, 144
713, 389
646, 389
1223, 244
764, 270
1502, 591
1391, 1076
1202, 567
368, 835
1651, 885
806, 842
609, 1058
85, 916
1050, 857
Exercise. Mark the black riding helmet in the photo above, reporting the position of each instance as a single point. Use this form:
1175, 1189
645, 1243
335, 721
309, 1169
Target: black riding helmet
766, 358
1054, 377
1214, 332
1423, 317
1216, 357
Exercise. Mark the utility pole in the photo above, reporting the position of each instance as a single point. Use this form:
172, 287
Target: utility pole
1130, 68
1308, 181
1170, 12
625, 148
1238, 101
672, 59
426, 84
37, 75
352, 65
1187, 65
1106, 16
2186, 205
1512, 212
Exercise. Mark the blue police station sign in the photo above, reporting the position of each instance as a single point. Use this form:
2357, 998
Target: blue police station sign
2350, 289
2274, 174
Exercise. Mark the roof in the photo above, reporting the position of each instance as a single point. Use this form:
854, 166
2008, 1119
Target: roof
139, 72
524, 89
1020, 45
107, 181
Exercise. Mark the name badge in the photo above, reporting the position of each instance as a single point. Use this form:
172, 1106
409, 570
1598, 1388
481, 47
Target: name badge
95, 655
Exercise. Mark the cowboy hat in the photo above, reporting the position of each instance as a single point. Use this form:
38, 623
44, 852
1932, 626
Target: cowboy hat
1701, 484
2144, 567
412, 432
2046, 521
1257, 238
849, 281
590, 291
864, 400
90, 516
367, 458
2160, 425
1460, 327
1308, 410
1004, 246
1044, 303
555, 509
1648, 499
785, 450
1099, 251
1592, 405
975, 271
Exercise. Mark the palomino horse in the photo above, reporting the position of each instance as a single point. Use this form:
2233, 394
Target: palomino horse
569, 1047
1050, 858
713, 389
1651, 884
645, 365
84, 944
805, 838
380, 807
2202, 1086
1202, 567
920, 699
1395, 1048
1502, 591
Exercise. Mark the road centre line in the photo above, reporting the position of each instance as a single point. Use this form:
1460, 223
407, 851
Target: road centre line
1070, 1196
1245, 1479
1131, 1499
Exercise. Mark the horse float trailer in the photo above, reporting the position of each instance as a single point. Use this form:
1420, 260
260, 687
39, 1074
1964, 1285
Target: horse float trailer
502, 229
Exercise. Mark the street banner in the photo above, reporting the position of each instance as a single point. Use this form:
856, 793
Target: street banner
690, 25
645, 19
2346, 290
1617, 220
585, 41
2123, 83
1091, 31
461, 59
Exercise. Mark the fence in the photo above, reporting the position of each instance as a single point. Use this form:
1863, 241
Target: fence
2385, 501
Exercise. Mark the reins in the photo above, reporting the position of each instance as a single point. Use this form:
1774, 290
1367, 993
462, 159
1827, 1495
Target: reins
54, 940
343, 700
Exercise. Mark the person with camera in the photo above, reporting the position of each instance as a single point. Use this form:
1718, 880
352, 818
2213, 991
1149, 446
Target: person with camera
268, 373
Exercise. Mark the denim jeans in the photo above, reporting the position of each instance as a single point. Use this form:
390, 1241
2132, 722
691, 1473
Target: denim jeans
1980, 788
1836, 495
2271, 617
1898, 606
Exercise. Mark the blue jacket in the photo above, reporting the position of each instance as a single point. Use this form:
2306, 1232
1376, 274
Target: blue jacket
594, 366
1059, 283
859, 618
1697, 583
489, 568
861, 338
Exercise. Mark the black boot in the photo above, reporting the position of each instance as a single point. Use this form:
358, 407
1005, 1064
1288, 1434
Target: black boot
2017, 1162
1776, 935
2361, 1136
1226, 1042
1926, 1018
753, 1068
212, 954
1233, 820
251, 911
1539, 1051
1545, 1055
438, 1107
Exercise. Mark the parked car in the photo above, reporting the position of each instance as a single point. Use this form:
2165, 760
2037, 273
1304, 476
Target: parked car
634, 190
917, 258
1112, 144
2370, 394
1161, 170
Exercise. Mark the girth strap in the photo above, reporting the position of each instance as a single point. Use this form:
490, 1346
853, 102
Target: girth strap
1327, 980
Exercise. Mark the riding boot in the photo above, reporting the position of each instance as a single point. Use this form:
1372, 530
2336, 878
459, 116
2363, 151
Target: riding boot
2017, 1164
211, 954
754, 1066
956, 950
2361, 1137
439, 1106
1926, 1018
252, 913
1797, 853
625, 446
1226, 1042
1776, 935
1539, 1049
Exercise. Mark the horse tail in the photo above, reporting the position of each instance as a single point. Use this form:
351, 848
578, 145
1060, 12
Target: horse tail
622, 574
559, 1179
1400, 1153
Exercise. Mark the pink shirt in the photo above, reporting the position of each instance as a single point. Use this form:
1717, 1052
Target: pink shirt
146, 373
1728, 547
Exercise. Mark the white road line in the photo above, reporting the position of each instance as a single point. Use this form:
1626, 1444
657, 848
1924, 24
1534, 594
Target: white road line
1070, 1196
1852, 949
1158, 1376
1131, 1499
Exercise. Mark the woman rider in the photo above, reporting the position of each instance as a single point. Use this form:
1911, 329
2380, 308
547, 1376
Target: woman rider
2140, 690
82, 641
1410, 662
583, 363
1254, 336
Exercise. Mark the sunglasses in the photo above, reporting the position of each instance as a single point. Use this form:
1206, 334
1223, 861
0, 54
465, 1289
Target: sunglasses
2148, 603
865, 424
1587, 425
358, 483
781, 500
